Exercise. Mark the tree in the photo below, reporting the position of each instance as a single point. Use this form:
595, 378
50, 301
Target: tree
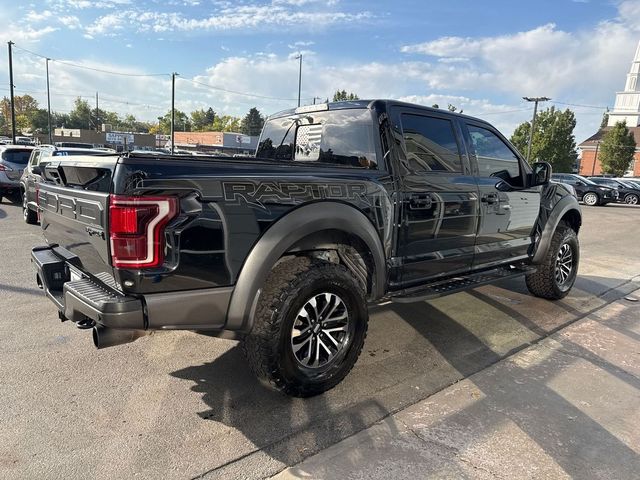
226, 123
617, 150
605, 119
343, 96
181, 123
252, 123
553, 139
453, 108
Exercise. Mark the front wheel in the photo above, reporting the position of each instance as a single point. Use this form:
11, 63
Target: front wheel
591, 199
28, 215
556, 275
631, 199
309, 327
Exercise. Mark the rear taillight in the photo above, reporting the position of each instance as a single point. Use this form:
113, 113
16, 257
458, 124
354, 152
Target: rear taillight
4, 168
136, 228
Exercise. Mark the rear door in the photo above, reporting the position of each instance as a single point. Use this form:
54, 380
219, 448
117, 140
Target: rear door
508, 208
439, 197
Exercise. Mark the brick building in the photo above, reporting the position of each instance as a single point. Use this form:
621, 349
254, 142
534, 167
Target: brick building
627, 109
216, 142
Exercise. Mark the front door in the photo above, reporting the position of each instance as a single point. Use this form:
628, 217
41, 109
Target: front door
439, 198
508, 209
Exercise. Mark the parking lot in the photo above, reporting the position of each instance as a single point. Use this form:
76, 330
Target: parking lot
184, 405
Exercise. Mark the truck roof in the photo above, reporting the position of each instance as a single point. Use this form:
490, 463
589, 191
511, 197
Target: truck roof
370, 103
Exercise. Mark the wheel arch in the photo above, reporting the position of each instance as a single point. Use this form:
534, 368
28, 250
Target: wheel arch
318, 226
568, 210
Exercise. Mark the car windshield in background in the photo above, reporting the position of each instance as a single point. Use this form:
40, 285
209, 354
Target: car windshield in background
19, 157
338, 137
586, 180
64, 153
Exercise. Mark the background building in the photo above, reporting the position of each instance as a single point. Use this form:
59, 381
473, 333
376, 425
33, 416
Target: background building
627, 108
217, 142
117, 140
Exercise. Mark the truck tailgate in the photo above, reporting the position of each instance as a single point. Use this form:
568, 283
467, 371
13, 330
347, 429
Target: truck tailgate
74, 202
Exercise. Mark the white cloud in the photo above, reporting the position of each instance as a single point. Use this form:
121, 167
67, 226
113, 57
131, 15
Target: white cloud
35, 17
70, 21
232, 17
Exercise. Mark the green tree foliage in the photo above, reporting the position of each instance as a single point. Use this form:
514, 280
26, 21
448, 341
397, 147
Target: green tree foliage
617, 150
181, 123
605, 119
226, 123
202, 120
343, 96
252, 123
553, 139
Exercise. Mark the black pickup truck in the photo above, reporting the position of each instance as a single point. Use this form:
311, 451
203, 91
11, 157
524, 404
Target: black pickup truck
344, 204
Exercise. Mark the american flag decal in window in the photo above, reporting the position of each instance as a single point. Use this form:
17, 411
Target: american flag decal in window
308, 142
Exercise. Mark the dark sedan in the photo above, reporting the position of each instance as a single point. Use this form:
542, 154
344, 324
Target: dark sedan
627, 193
589, 192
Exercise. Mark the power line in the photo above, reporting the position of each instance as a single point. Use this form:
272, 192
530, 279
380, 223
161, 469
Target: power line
579, 105
110, 72
235, 92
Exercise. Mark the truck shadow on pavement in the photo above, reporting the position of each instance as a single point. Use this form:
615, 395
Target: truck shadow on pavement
442, 351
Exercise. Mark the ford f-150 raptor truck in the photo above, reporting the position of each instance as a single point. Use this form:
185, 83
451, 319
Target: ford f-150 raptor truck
344, 204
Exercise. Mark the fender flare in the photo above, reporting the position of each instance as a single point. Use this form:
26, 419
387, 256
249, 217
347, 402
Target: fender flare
559, 210
282, 235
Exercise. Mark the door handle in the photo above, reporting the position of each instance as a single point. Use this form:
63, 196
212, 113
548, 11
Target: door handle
420, 202
490, 198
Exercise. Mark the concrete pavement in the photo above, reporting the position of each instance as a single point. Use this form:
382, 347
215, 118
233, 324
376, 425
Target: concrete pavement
566, 407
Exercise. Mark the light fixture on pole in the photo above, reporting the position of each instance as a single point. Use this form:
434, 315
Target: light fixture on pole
533, 121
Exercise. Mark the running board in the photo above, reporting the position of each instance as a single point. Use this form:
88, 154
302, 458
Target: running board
461, 283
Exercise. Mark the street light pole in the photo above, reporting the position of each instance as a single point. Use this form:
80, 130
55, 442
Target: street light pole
13, 106
49, 106
173, 109
533, 120
299, 77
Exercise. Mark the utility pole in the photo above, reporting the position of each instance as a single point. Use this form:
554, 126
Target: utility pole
595, 159
299, 57
533, 121
49, 106
97, 115
173, 109
13, 106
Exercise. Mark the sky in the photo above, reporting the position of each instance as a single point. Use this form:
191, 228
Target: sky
481, 56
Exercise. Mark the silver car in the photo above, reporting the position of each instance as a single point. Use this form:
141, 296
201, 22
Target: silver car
13, 159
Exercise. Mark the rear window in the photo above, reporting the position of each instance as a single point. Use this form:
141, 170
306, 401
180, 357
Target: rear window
339, 137
20, 157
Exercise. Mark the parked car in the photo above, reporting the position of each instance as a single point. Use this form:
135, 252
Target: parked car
13, 159
589, 192
344, 204
632, 182
627, 194
74, 145
31, 176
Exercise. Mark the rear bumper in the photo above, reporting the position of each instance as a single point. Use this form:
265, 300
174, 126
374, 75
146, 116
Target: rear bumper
79, 296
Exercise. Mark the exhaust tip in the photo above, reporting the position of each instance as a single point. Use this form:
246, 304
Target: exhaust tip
104, 337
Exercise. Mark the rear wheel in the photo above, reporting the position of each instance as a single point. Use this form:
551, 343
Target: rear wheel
557, 273
28, 215
309, 327
591, 199
631, 199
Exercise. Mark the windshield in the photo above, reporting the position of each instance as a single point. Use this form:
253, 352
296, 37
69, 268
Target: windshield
19, 157
586, 180
339, 137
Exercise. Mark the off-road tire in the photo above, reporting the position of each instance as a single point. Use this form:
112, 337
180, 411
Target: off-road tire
28, 215
543, 283
268, 347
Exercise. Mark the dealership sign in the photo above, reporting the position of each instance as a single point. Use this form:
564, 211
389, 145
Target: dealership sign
120, 138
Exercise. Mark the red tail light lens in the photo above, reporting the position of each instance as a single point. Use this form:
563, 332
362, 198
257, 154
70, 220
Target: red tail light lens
4, 168
136, 228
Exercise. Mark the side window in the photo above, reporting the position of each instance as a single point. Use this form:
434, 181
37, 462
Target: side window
35, 154
495, 158
431, 144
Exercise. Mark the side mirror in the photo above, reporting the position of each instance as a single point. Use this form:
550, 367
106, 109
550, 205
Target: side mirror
541, 173
36, 169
